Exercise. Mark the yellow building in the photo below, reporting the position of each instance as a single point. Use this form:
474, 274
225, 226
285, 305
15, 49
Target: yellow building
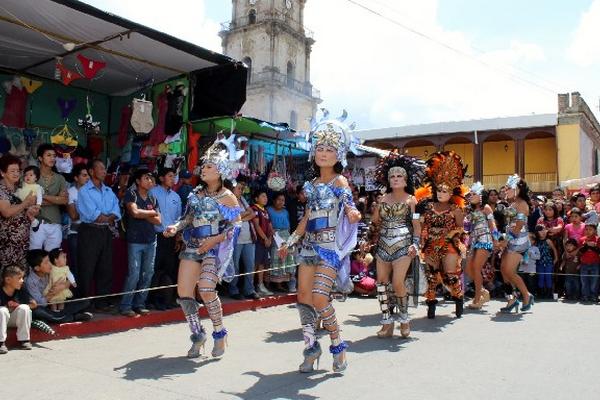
544, 149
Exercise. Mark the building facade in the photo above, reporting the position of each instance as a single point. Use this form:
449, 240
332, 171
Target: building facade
270, 38
544, 149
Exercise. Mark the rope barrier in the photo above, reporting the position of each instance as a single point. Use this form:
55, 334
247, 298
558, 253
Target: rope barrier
262, 271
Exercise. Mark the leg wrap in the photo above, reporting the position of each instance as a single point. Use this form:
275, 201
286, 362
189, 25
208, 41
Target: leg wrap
402, 309
308, 318
433, 280
327, 315
453, 283
215, 312
190, 309
384, 303
391, 293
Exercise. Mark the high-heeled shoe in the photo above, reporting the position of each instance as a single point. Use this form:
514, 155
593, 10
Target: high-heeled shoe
458, 306
509, 307
311, 355
530, 303
339, 356
198, 341
220, 339
431, 308
386, 331
403, 316
485, 296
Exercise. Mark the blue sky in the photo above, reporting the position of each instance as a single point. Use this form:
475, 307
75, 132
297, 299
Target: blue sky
520, 53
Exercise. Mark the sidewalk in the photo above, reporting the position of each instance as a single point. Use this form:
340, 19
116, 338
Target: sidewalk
107, 323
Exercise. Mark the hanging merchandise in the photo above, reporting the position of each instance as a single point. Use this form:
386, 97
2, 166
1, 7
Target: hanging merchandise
64, 139
126, 112
66, 75
30, 85
277, 177
15, 104
66, 107
64, 164
141, 117
95, 144
90, 67
193, 150
174, 119
162, 104
87, 123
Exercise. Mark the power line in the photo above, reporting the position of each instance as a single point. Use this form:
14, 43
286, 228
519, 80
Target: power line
458, 51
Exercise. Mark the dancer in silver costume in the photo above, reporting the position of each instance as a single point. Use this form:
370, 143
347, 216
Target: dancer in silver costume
210, 226
483, 236
395, 230
329, 227
517, 244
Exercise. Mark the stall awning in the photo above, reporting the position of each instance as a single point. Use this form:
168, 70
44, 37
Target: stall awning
34, 32
246, 126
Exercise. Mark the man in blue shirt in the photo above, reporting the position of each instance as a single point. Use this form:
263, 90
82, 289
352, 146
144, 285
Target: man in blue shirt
98, 210
186, 187
166, 263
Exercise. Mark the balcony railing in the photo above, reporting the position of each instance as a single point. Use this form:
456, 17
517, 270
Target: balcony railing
537, 182
267, 16
278, 78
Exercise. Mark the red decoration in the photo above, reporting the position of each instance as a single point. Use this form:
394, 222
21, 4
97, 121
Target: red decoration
90, 67
66, 75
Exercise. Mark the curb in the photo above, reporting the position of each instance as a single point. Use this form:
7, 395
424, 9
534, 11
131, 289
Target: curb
118, 323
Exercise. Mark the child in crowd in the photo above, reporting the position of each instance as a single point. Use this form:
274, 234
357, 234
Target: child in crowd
589, 258
31, 175
570, 266
15, 307
60, 272
528, 266
264, 231
545, 265
575, 229
361, 274
283, 270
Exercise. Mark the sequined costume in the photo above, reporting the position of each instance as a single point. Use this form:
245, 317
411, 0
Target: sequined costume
479, 232
516, 243
395, 231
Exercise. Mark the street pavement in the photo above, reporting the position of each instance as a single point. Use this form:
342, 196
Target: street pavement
551, 353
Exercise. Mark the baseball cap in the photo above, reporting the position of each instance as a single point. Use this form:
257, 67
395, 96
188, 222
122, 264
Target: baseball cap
185, 174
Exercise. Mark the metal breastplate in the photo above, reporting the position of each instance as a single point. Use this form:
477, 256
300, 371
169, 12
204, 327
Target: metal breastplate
324, 209
206, 218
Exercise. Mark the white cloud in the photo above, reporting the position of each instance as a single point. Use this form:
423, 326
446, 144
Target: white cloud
584, 50
184, 19
385, 75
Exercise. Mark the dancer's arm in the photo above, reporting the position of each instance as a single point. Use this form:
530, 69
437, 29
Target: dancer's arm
350, 209
522, 213
295, 236
416, 223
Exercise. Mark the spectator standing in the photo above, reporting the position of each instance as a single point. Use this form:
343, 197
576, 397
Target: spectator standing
297, 208
98, 208
264, 231
244, 249
15, 307
536, 212
581, 202
48, 235
15, 215
284, 270
142, 215
185, 189
166, 262
80, 178
37, 281
590, 260
595, 198
575, 229
570, 266
545, 265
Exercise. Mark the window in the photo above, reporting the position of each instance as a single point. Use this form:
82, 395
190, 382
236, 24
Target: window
293, 120
290, 75
252, 16
248, 62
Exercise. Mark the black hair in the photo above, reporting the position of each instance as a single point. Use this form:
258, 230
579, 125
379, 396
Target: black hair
77, 168
575, 210
579, 195
484, 196
523, 192
140, 172
10, 270
42, 148
93, 162
275, 195
299, 188
315, 171
595, 188
242, 179
571, 241
257, 192
7, 160
35, 257
55, 253
36, 171
553, 206
493, 190
164, 171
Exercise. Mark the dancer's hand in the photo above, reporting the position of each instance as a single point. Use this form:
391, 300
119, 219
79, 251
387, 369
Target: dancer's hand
208, 244
283, 251
412, 251
353, 215
170, 231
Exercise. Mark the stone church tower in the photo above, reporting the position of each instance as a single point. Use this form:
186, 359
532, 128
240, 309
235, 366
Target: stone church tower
270, 38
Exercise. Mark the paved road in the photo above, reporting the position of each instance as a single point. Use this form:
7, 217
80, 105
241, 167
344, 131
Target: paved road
552, 353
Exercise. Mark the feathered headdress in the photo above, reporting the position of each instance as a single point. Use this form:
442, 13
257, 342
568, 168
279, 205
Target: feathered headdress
445, 168
513, 181
332, 132
224, 154
411, 167
477, 188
